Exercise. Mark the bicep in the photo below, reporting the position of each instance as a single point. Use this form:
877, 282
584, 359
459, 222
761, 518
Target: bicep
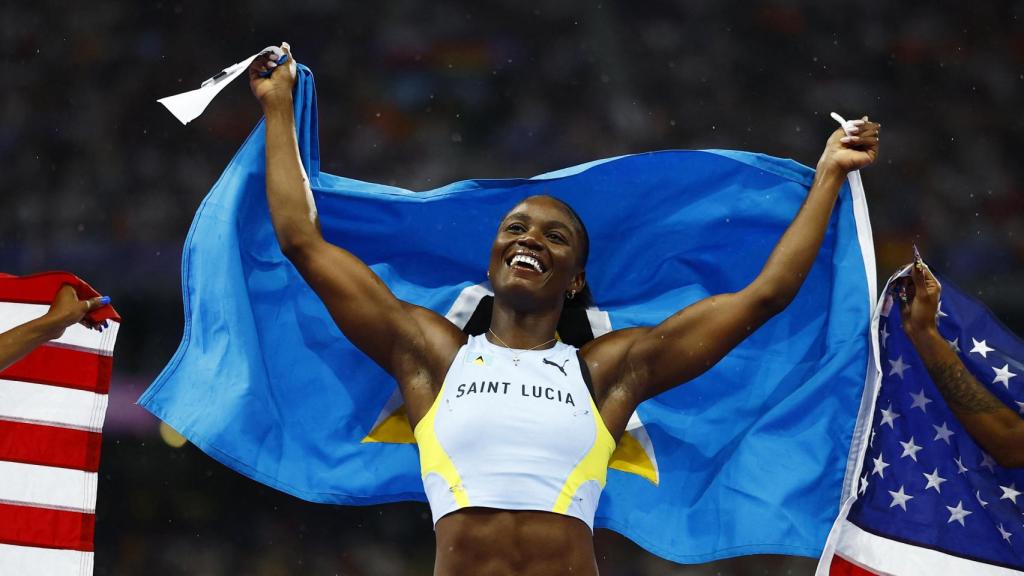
389, 331
691, 341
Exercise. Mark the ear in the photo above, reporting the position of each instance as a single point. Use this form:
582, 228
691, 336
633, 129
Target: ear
578, 281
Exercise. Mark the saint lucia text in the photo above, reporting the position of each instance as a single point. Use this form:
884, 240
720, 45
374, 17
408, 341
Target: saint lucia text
528, 391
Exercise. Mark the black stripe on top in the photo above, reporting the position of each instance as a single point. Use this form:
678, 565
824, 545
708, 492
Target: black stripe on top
586, 375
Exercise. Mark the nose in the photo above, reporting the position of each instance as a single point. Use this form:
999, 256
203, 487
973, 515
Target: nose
529, 241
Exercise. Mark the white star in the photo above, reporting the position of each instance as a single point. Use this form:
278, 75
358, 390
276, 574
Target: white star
980, 501
880, 466
942, 432
955, 344
1020, 406
960, 466
899, 499
958, 513
1009, 493
920, 401
1006, 535
940, 313
898, 367
863, 483
910, 449
935, 481
1003, 375
988, 462
981, 348
888, 417
885, 335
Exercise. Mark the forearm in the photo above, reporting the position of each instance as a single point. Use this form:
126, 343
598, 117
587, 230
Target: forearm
791, 259
20, 340
292, 209
990, 422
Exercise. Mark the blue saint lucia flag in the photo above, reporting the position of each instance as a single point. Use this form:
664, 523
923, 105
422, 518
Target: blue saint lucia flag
748, 458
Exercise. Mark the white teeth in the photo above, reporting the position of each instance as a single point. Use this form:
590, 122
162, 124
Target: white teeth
527, 260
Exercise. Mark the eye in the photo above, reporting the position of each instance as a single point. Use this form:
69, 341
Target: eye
556, 237
515, 228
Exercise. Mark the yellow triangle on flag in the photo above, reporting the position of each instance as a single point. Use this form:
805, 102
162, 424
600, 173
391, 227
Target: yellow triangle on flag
630, 456
394, 429
635, 452
479, 361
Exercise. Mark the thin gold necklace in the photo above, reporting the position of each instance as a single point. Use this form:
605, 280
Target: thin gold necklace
515, 351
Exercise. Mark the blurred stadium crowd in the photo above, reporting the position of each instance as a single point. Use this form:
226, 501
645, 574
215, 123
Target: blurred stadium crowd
100, 180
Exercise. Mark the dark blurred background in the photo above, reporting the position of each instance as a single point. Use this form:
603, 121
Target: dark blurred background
99, 179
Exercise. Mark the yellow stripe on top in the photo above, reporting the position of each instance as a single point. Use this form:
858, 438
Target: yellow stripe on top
593, 466
433, 458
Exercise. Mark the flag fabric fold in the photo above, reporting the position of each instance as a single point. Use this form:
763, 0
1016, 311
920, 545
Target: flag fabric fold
748, 458
52, 406
925, 498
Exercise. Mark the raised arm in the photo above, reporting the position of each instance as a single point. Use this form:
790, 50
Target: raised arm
997, 428
65, 311
633, 365
413, 344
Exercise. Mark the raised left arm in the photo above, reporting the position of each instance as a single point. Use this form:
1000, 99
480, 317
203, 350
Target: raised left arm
639, 364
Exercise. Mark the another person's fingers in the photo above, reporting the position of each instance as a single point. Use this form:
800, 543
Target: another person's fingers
98, 302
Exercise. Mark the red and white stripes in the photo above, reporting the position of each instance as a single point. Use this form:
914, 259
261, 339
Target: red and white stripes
52, 405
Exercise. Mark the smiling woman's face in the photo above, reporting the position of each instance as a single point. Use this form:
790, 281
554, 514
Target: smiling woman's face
535, 258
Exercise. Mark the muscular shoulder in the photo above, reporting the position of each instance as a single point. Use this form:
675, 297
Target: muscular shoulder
606, 358
434, 338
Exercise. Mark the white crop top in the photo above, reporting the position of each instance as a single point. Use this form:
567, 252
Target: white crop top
514, 430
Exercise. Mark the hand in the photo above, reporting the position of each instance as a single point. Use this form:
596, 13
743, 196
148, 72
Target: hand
853, 152
919, 310
275, 89
67, 309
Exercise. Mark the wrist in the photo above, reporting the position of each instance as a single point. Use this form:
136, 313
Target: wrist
49, 326
276, 102
828, 172
924, 334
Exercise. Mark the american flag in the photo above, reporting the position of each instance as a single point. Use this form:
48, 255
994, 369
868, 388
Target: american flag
52, 406
928, 499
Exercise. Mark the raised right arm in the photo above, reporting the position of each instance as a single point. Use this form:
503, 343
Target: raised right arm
999, 430
413, 344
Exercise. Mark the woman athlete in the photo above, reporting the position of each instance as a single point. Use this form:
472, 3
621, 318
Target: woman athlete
514, 438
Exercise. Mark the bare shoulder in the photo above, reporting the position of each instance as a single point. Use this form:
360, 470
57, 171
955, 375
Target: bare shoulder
442, 338
604, 355
606, 358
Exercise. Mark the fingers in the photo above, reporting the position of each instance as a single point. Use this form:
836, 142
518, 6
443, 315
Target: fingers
98, 302
269, 59
263, 65
93, 304
930, 283
917, 273
862, 133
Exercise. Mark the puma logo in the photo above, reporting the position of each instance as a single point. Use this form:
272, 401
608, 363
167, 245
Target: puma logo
560, 368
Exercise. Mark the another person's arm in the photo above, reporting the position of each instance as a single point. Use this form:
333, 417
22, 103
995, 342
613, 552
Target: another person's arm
997, 428
65, 311
649, 361
413, 344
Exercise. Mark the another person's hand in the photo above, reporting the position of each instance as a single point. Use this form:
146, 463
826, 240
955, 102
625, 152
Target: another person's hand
272, 83
853, 152
920, 304
67, 310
